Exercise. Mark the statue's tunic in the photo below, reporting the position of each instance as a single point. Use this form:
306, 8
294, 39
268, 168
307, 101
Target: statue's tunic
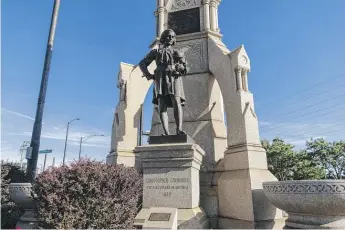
165, 83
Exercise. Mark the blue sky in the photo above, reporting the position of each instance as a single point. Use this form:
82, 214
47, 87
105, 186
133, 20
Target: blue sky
297, 52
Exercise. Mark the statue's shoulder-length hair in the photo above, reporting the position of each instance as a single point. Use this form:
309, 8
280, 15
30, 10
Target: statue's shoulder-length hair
165, 33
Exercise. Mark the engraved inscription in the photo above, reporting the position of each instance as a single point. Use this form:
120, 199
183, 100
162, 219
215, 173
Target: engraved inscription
167, 186
166, 180
185, 21
159, 217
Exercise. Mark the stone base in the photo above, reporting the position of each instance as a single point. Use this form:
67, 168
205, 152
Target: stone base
170, 139
29, 220
315, 222
125, 157
241, 196
171, 175
186, 218
210, 203
240, 192
227, 223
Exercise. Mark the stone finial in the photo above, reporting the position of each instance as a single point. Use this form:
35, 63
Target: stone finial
240, 59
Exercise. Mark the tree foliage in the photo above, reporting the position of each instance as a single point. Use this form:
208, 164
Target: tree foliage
287, 164
88, 194
328, 155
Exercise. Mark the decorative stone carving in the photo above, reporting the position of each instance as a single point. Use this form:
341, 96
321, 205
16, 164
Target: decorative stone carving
243, 60
195, 54
22, 195
184, 4
23, 189
309, 203
307, 187
240, 58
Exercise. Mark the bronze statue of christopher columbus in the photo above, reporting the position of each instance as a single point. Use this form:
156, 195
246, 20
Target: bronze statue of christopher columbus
168, 86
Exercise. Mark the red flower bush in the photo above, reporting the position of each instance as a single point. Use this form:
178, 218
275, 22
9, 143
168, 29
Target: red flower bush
88, 194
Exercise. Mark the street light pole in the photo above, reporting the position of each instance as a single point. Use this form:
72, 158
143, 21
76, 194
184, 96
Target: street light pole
37, 128
22, 151
64, 152
81, 141
86, 138
45, 160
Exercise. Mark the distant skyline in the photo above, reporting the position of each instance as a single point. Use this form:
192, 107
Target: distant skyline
297, 52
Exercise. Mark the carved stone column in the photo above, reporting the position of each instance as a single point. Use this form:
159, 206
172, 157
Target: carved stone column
217, 24
245, 79
239, 78
206, 4
157, 24
213, 15
161, 12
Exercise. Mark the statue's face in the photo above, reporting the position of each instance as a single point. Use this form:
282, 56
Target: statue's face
169, 38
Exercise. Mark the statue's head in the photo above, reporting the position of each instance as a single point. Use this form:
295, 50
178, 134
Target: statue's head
168, 37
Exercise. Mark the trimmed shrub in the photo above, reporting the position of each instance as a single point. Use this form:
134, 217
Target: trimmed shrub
10, 212
88, 194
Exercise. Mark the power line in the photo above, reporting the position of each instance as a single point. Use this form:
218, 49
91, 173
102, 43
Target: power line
310, 106
307, 114
316, 126
313, 96
321, 134
303, 90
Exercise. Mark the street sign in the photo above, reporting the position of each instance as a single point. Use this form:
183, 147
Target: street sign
46, 151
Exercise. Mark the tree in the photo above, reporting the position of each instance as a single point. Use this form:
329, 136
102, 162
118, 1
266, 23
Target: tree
287, 164
280, 158
329, 155
306, 168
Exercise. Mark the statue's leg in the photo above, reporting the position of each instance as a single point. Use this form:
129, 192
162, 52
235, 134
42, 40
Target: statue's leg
178, 114
163, 115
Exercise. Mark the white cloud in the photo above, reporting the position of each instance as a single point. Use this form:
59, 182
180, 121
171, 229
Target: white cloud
297, 133
17, 114
263, 123
15, 129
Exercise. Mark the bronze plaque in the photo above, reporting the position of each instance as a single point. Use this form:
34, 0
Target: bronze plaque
159, 217
185, 21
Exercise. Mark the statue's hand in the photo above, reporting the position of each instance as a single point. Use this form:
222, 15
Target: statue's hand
150, 77
175, 72
179, 67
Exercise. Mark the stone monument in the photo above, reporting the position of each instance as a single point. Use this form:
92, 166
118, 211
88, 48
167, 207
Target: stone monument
171, 163
234, 163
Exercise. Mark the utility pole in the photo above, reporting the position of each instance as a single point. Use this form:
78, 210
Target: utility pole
36, 132
53, 164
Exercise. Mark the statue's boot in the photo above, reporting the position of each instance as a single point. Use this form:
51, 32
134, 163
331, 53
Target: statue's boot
180, 132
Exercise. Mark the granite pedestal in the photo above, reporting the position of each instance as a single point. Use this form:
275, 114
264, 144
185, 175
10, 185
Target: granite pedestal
171, 180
